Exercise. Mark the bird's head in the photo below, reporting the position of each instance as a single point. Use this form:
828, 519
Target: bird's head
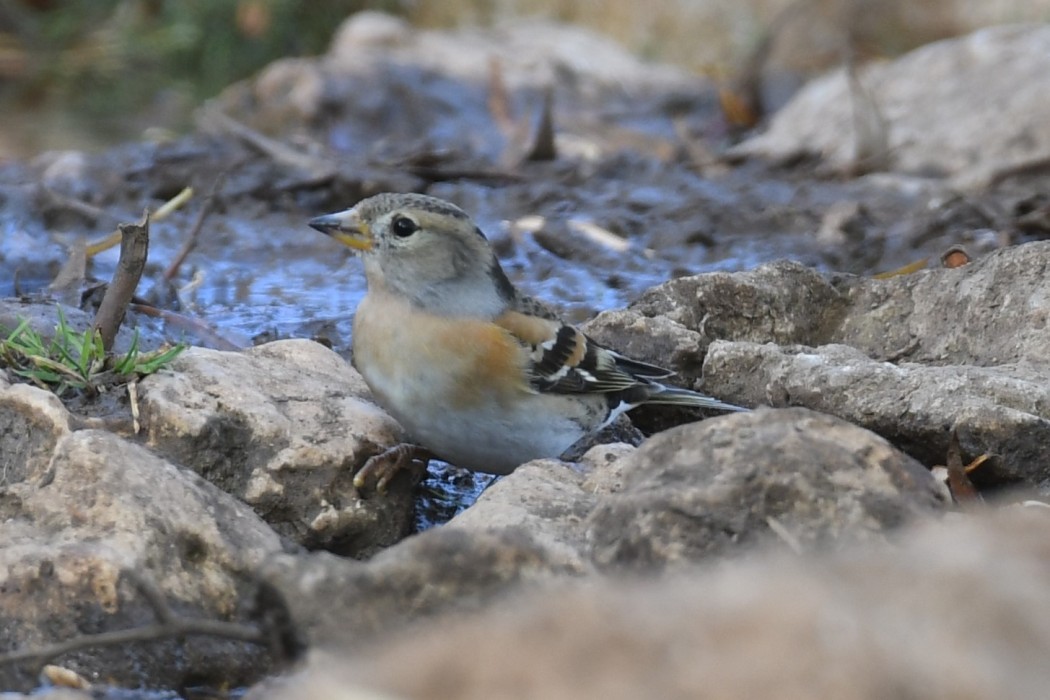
424, 249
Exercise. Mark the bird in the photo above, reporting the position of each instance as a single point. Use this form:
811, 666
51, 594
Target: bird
478, 373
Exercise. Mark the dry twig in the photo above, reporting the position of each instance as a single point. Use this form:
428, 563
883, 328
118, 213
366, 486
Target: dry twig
205, 333
191, 240
168, 626
317, 169
134, 248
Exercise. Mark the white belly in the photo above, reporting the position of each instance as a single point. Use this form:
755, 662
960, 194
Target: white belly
489, 441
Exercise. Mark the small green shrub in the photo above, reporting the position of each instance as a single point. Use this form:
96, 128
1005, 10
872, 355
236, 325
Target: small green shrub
74, 361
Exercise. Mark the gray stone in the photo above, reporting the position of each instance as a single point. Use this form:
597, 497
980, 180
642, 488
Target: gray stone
910, 357
530, 53
961, 107
98, 506
727, 484
994, 311
32, 421
525, 530
547, 501
927, 618
673, 323
341, 602
995, 410
719, 487
283, 426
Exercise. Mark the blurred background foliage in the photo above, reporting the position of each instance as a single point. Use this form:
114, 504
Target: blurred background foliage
108, 62
86, 73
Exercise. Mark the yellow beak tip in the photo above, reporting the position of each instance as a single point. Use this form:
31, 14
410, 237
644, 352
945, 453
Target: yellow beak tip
355, 235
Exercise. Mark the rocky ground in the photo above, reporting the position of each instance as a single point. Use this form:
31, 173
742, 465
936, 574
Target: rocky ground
810, 548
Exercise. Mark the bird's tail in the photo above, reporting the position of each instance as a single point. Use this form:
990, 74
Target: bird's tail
675, 396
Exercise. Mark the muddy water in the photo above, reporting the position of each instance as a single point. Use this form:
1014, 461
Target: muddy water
595, 245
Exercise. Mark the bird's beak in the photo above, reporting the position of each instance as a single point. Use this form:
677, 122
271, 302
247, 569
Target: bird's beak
345, 227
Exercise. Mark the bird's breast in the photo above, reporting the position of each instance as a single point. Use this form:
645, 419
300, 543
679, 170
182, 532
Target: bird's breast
411, 359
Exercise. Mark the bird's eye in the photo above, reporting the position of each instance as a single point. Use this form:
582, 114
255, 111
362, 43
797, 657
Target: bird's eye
403, 227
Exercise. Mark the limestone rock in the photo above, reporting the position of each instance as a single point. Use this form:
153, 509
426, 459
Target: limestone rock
336, 601
79, 509
722, 486
729, 483
673, 323
995, 410
547, 501
283, 426
531, 53
994, 311
927, 618
960, 107
910, 357
32, 421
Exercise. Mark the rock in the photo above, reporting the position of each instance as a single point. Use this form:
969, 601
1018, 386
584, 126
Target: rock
909, 357
292, 89
32, 421
530, 53
547, 501
52, 693
928, 618
726, 484
336, 601
718, 487
413, 96
543, 500
605, 464
994, 410
673, 323
79, 509
284, 427
962, 107
368, 30
65, 172
525, 530
994, 311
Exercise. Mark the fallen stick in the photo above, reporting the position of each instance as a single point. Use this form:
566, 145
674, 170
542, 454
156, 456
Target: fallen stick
134, 248
191, 240
168, 626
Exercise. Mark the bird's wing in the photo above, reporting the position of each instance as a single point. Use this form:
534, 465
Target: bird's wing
563, 360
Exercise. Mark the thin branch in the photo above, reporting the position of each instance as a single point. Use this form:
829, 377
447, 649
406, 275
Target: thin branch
134, 248
179, 627
148, 590
283, 154
191, 240
70, 279
50, 199
204, 332
168, 626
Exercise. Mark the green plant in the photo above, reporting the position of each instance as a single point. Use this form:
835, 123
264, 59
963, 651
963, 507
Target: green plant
76, 361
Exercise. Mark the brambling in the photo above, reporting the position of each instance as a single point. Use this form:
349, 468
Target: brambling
476, 372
